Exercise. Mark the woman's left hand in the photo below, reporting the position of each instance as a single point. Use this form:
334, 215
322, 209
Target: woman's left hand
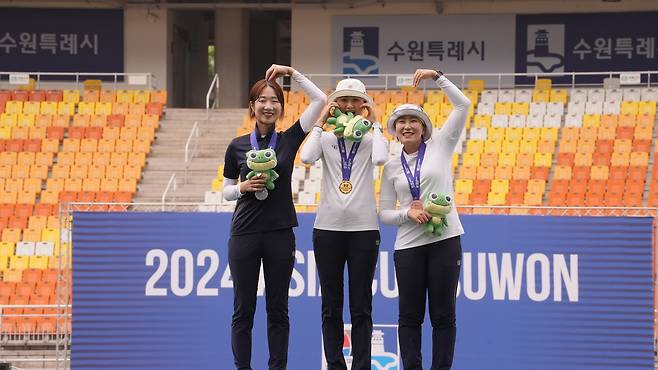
277, 70
424, 74
371, 116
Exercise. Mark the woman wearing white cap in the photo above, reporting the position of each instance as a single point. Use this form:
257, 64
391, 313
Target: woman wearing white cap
426, 264
346, 228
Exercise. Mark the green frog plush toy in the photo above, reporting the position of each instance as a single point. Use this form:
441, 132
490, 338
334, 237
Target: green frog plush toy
349, 126
438, 205
262, 162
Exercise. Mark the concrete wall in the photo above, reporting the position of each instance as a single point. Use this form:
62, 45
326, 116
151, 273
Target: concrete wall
149, 48
146, 48
232, 56
190, 69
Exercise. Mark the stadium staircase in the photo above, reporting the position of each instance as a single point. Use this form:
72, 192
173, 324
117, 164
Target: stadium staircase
168, 153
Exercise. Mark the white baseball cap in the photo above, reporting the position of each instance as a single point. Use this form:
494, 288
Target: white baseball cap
350, 87
410, 110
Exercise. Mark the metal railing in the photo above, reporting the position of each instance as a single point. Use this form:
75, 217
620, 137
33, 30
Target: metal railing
12, 306
56, 335
212, 98
191, 153
502, 80
214, 87
311, 207
149, 79
64, 290
465, 209
37, 336
172, 184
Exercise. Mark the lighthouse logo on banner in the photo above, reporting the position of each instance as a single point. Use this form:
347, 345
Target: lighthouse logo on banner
361, 50
385, 349
545, 48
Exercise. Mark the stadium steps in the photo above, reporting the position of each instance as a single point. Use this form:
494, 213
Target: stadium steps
652, 158
168, 153
551, 173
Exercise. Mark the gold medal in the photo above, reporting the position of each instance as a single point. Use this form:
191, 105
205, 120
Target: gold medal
345, 187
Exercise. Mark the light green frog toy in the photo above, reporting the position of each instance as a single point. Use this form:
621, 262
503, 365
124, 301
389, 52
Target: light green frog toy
349, 126
438, 206
262, 162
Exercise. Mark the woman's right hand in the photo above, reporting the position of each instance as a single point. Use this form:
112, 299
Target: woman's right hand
418, 215
276, 70
325, 114
256, 183
424, 74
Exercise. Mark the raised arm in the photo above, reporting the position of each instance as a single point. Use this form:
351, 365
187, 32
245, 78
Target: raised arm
312, 149
318, 101
318, 98
452, 129
456, 121
379, 143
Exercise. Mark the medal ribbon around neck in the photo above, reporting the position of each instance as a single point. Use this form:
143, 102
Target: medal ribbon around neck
346, 162
414, 178
254, 141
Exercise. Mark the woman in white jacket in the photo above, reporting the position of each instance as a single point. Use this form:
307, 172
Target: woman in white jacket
346, 230
426, 264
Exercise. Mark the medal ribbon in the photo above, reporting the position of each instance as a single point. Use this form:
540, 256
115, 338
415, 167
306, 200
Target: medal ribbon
346, 161
414, 179
254, 142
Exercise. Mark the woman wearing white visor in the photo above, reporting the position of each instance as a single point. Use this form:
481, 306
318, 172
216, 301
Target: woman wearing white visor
427, 246
346, 230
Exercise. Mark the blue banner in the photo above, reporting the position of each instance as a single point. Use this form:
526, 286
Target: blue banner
61, 40
595, 42
153, 291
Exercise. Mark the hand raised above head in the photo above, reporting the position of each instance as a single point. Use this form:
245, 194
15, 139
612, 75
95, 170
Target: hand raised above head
276, 70
424, 74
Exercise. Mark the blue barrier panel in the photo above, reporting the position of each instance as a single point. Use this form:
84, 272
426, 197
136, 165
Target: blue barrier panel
153, 291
